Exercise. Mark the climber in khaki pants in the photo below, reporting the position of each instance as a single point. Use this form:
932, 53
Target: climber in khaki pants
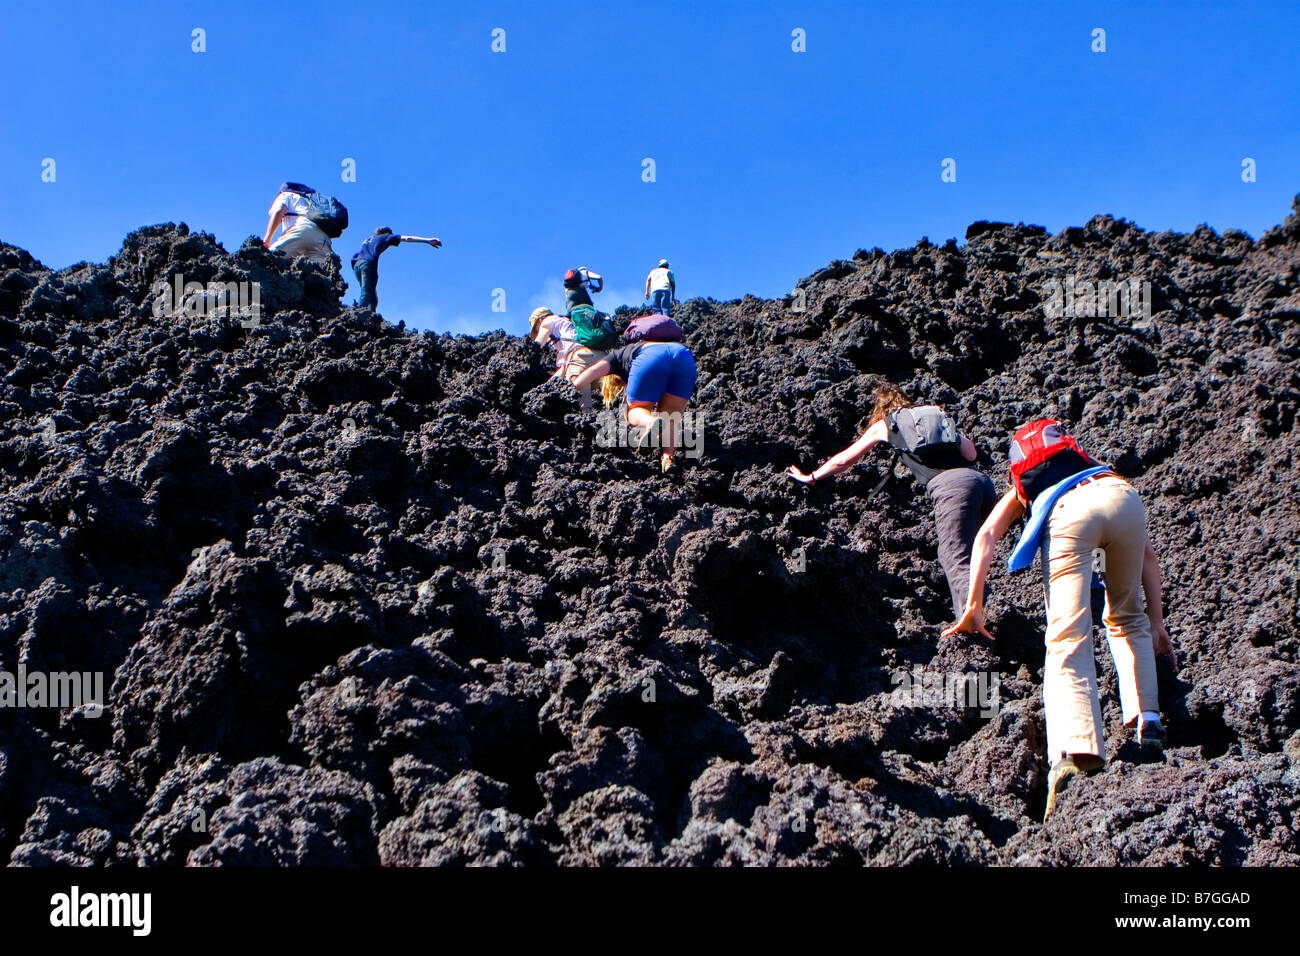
1075, 507
1105, 512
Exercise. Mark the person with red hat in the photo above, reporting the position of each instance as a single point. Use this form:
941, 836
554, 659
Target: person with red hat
1077, 506
578, 286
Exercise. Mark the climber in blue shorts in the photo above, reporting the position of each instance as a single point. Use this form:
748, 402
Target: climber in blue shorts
658, 378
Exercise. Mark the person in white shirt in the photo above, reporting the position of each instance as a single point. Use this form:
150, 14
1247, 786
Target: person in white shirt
571, 357
661, 288
301, 236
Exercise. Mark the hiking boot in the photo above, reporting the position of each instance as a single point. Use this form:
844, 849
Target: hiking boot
1058, 778
665, 462
1151, 736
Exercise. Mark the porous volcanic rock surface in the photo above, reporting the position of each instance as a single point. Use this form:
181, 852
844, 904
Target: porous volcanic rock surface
367, 596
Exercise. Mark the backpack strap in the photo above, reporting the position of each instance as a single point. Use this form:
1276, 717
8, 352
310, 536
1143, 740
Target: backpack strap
892, 433
891, 428
889, 473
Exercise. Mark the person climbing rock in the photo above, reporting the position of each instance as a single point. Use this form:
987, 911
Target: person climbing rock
578, 286
661, 288
291, 210
572, 358
942, 461
658, 378
365, 262
1077, 506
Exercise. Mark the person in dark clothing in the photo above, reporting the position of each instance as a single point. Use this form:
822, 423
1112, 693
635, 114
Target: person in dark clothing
961, 494
962, 499
365, 262
578, 286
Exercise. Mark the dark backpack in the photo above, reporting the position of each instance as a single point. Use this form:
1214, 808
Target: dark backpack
926, 439
330, 215
653, 328
592, 328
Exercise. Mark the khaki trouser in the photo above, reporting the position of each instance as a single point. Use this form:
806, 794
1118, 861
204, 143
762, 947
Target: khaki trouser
1105, 513
304, 238
575, 364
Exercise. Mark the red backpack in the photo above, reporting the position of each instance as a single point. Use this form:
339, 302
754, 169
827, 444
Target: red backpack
1037, 444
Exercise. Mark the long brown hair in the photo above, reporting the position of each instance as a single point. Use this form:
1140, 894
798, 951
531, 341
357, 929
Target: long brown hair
889, 397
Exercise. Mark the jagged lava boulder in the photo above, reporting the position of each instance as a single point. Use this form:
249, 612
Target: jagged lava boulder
363, 595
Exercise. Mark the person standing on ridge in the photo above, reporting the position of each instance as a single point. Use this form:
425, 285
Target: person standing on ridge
301, 237
1077, 507
365, 262
942, 461
661, 288
578, 286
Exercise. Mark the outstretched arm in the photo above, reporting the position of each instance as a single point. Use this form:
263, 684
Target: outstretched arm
430, 240
592, 373
1004, 513
1153, 588
846, 459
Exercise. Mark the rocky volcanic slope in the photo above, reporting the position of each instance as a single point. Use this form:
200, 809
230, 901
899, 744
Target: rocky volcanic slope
456, 630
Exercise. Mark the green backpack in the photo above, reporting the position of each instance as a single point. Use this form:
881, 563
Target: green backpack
592, 329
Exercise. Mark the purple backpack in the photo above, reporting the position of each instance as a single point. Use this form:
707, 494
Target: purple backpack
653, 328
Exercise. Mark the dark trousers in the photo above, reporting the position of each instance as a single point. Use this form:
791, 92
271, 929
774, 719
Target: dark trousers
367, 279
962, 498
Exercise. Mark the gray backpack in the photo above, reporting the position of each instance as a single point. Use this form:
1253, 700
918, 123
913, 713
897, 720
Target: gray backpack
926, 439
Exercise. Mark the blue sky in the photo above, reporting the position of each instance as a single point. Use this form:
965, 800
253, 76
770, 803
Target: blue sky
768, 163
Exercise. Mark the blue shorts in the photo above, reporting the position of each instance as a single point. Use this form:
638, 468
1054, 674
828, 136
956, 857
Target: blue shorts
661, 368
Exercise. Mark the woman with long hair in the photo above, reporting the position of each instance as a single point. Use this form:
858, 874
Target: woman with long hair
942, 461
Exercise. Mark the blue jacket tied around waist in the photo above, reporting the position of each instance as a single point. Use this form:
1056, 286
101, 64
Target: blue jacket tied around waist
1022, 556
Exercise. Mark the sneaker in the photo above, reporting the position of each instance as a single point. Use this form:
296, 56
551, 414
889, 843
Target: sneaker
1058, 778
1151, 735
665, 462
